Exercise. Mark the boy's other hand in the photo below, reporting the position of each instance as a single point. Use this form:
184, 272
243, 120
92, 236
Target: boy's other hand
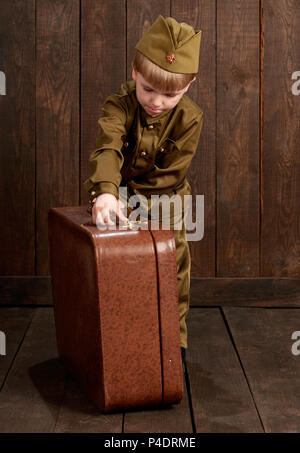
106, 205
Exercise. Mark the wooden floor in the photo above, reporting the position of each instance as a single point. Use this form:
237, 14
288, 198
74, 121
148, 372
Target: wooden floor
242, 377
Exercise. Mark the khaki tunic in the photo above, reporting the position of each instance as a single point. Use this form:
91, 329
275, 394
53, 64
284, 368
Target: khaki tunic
150, 156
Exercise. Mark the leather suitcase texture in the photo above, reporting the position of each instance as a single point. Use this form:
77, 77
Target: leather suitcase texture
115, 300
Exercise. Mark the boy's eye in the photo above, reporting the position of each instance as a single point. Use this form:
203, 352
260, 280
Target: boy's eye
147, 89
171, 95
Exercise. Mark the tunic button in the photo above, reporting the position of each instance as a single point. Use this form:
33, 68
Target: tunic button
126, 144
150, 126
162, 150
143, 153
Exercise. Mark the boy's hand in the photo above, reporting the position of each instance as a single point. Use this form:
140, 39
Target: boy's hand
107, 204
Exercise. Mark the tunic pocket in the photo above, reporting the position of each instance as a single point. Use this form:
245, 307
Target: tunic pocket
166, 153
128, 150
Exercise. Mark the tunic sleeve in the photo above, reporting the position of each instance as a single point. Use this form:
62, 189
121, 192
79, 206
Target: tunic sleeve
106, 160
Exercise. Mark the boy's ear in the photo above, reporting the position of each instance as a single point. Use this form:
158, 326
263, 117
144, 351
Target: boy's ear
190, 83
133, 75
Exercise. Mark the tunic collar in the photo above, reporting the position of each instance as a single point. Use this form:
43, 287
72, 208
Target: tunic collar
148, 120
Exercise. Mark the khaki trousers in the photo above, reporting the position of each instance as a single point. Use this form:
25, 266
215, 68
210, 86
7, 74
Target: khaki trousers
183, 259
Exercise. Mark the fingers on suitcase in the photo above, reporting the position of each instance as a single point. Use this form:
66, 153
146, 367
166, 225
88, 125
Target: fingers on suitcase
107, 209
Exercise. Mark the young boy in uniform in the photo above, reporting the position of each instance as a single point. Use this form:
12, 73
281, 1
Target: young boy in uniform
149, 135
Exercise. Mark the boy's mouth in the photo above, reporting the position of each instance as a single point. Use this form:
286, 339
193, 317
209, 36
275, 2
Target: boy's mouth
153, 111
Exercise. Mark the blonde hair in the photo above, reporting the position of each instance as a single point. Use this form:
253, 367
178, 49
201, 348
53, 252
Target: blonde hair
161, 80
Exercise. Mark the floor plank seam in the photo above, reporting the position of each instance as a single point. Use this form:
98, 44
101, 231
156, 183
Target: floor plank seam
17, 351
61, 403
241, 365
189, 395
123, 423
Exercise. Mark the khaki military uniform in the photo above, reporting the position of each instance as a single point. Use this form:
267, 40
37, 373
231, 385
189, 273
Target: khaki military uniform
150, 156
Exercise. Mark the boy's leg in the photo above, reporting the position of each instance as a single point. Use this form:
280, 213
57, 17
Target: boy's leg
183, 278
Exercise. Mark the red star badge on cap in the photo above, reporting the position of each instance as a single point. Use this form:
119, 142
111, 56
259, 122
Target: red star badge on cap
171, 58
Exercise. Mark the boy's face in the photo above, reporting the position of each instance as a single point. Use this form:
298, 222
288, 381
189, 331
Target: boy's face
155, 102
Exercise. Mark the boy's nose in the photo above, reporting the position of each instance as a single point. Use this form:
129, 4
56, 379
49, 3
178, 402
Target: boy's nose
156, 101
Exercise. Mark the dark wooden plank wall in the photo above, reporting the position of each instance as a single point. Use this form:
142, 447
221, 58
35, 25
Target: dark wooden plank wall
280, 235
237, 167
62, 58
17, 139
57, 114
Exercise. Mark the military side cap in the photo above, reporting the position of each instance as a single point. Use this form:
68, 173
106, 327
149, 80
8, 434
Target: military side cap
172, 46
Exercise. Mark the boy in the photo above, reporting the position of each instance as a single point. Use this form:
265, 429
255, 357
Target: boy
149, 135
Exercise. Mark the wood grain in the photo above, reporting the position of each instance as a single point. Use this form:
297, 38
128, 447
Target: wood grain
221, 399
280, 238
103, 69
17, 138
238, 110
263, 339
62, 58
245, 292
57, 110
14, 322
35, 290
34, 387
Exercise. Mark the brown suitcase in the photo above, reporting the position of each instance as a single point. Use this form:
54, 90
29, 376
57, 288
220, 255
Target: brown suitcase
116, 310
